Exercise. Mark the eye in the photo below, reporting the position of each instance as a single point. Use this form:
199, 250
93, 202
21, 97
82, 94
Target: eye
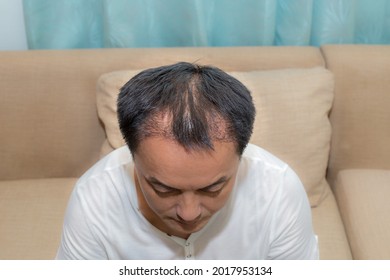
164, 191
161, 188
214, 189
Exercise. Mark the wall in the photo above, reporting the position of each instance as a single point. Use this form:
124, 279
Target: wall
12, 31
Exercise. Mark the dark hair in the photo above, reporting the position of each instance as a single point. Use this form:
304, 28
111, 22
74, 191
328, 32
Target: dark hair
194, 105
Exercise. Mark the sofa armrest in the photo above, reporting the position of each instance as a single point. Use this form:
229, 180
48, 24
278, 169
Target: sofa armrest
363, 199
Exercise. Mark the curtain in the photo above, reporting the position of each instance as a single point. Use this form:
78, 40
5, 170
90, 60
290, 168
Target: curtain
63, 24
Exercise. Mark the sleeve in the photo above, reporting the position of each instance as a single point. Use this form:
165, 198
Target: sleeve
78, 240
292, 232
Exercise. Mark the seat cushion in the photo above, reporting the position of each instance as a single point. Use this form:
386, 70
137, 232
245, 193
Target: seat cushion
329, 228
31, 217
363, 198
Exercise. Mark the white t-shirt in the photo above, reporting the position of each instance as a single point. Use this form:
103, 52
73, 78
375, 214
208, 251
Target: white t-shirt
266, 217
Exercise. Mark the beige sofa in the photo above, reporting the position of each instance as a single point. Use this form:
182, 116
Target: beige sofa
325, 111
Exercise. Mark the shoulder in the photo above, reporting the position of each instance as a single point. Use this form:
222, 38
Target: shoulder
114, 162
108, 182
255, 156
264, 171
107, 178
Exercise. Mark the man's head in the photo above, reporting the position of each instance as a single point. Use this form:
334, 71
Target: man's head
191, 104
186, 127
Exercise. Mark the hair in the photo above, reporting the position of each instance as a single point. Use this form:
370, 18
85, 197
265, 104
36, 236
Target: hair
191, 104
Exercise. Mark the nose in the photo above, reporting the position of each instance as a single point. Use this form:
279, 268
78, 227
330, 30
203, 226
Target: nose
188, 209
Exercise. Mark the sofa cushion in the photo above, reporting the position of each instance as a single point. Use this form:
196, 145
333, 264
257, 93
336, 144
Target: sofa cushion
360, 115
292, 120
292, 117
363, 199
108, 87
328, 226
31, 217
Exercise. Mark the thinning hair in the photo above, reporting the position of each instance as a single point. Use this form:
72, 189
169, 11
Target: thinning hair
193, 105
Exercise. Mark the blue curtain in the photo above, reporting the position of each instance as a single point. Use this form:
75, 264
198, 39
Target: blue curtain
62, 24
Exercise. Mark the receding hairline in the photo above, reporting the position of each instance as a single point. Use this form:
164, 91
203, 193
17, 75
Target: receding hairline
160, 124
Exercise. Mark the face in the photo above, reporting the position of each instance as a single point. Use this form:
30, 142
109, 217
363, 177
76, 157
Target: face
180, 190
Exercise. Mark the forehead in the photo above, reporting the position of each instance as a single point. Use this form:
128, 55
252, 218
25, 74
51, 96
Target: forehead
173, 165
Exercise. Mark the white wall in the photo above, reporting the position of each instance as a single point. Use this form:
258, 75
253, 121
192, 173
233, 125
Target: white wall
12, 31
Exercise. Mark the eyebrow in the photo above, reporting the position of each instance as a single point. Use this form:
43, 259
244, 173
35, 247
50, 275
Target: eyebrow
155, 181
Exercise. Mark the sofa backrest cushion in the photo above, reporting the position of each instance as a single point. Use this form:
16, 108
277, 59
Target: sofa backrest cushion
49, 125
361, 112
292, 118
48, 119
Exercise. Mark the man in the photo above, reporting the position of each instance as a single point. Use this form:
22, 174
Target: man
188, 185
